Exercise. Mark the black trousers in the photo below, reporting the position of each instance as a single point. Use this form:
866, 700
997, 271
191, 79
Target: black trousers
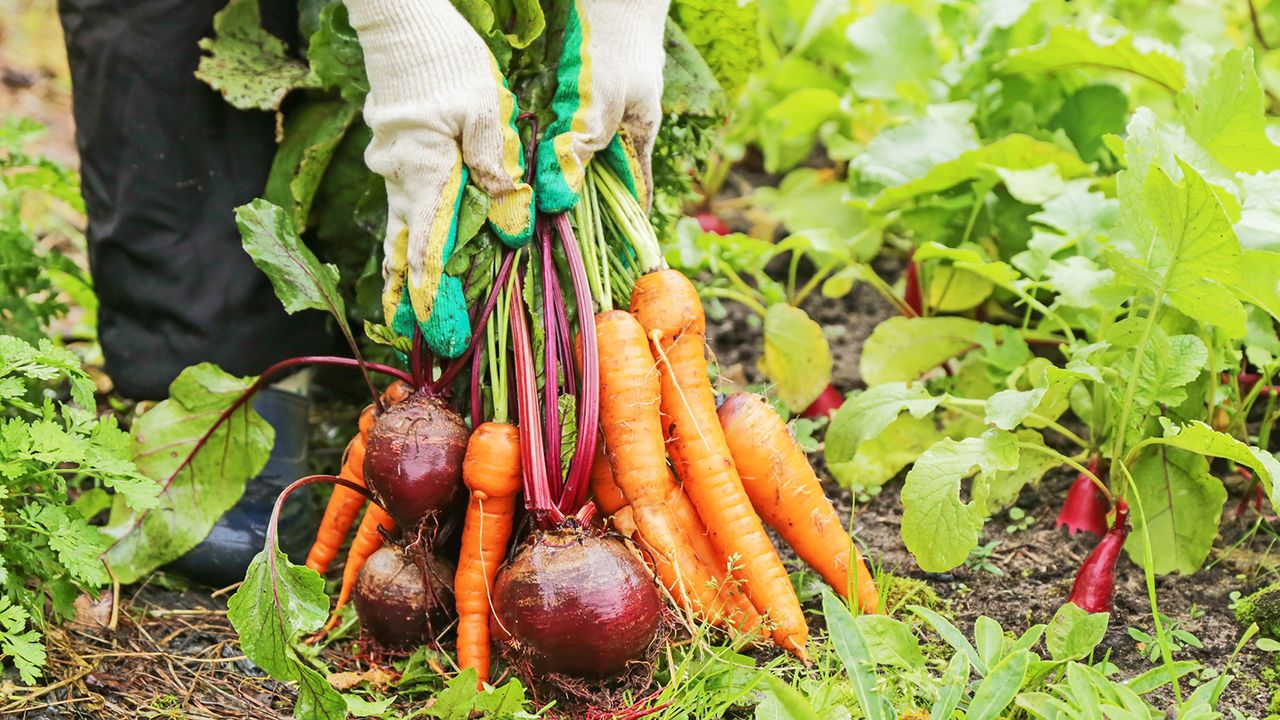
164, 160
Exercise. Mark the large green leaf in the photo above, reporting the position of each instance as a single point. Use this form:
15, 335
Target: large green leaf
938, 527
903, 349
336, 56
877, 460
1088, 115
278, 603
1181, 504
892, 50
726, 36
1201, 256
1005, 485
300, 280
1199, 438
1260, 285
196, 487
797, 358
1226, 115
688, 86
311, 134
1070, 47
247, 64
908, 151
1013, 152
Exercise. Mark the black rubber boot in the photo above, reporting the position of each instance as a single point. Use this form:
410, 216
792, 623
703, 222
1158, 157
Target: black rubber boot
223, 556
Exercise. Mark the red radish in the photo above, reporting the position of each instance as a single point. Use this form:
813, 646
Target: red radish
825, 405
1095, 585
413, 461
710, 222
1085, 508
575, 603
400, 603
911, 294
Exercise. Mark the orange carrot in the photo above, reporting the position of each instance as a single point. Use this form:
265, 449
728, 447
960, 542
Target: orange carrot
367, 541
786, 493
345, 503
491, 471
610, 500
630, 421
667, 305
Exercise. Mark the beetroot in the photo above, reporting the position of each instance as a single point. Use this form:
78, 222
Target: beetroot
1085, 507
401, 604
1095, 584
575, 603
825, 405
413, 460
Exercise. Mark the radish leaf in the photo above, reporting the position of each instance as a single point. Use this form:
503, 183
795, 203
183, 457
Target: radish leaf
797, 357
1070, 47
196, 487
277, 604
902, 349
1182, 504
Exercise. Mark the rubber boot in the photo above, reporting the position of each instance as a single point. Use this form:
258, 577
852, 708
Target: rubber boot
222, 558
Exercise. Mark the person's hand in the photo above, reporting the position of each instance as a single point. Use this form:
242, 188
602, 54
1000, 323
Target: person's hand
438, 107
608, 98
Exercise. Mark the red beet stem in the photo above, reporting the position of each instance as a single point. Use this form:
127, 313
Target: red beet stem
911, 294
552, 431
825, 405
1085, 508
1095, 584
504, 271
537, 491
588, 399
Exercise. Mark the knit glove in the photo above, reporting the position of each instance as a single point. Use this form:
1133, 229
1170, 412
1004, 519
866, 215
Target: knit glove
440, 111
608, 99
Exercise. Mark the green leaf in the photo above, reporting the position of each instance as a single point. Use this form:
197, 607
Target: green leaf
336, 57
1034, 186
22, 647
937, 526
1198, 437
460, 699
878, 460
1074, 633
726, 36
1226, 115
1008, 408
909, 151
1259, 225
1260, 286
857, 659
247, 64
384, 335
789, 129
1201, 256
892, 48
797, 358
278, 603
1013, 152
196, 489
688, 86
1113, 48
1000, 686
783, 702
1090, 114
524, 21
300, 280
952, 636
1005, 485
951, 289
867, 415
890, 641
903, 349
1182, 504
76, 542
311, 134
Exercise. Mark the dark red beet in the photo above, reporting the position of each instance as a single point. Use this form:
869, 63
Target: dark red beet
911, 294
710, 222
1085, 507
575, 603
396, 606
825, 405
1095, 584
413, 461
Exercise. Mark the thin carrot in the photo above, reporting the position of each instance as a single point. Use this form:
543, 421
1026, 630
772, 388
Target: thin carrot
345, 503
611, 502
366, 542
786, 493
491, 471
630, 421
667, 305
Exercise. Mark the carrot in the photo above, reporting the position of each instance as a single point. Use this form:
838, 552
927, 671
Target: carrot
667, 305
345, 503
786, 493
610, 500
491, 471
630, 421
366, 542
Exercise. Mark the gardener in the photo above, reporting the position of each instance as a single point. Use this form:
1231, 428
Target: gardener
164, 161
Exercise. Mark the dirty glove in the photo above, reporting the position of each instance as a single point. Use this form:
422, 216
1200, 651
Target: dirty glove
438, 107
608, 98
